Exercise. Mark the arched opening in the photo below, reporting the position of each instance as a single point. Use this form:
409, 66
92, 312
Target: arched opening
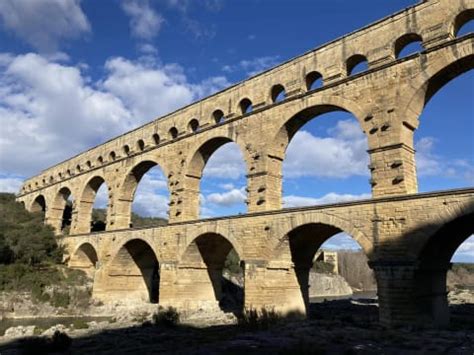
356, 64
100, 160
39, 206
61, 216
134, 273
464, 23
112, 156
334, 165
78, 169
432, 294
314, 80
314, 253
278, 93
145, 196
193, 125
92, 208
408, 44
156, 138
89, 164
173, 133
444, 158
85, 259
126, 149
210, 273
218, 116
217, 172
245, 106
141, 145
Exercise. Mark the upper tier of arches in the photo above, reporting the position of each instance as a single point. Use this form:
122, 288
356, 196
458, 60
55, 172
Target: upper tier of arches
272, 87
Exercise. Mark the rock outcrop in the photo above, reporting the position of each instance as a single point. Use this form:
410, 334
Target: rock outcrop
321, 285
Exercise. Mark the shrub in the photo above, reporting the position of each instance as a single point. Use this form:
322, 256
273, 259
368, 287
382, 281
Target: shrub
60, 299
168, 317
259, 319
323, 267
80, 324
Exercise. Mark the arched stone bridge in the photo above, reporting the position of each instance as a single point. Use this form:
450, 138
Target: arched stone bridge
408, 237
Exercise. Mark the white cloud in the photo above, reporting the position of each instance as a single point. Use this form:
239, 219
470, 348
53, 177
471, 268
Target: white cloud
10, 184
226, 162
343, 155
44, 23
253, 66
52, 111
228, 198
145, 23
428, 163
152, 196
332, 197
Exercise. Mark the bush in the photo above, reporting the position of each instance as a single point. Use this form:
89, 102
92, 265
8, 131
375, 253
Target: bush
168, 317
323, 267
80, 324
60, 299
262, 319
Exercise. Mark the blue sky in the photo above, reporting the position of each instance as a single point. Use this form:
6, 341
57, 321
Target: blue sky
76, 73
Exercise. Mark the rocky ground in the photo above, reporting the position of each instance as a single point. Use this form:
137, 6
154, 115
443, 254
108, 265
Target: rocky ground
333, 327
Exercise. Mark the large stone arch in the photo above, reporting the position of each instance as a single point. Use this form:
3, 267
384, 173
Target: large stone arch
433, 264
132, 274
82, 222
300, 238
127, 189
84, 258
60, 213
199, 273
194, 166
440, 71
302, 111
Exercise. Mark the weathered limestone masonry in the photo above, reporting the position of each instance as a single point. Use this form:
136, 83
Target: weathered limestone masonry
408, 237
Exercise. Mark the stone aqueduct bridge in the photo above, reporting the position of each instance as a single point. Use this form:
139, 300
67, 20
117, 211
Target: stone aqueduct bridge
408, 237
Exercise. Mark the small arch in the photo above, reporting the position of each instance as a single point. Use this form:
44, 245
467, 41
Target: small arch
156, 138
84, 221
356, 64
314, 80
38, 205
100, 160
173, 133
278, 93
142, 275
85, 259
193, 125
141, 145
126, 149
112, 156
129, 187
69, 172
89, 164
218, 116
408, 44
245, 106
462, 21
51, 179
60, 175
78, 168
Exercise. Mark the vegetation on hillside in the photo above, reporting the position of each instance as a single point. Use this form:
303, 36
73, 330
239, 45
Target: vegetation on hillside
30, 258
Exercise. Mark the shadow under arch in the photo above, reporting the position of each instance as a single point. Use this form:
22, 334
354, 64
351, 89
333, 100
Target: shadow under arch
84, 258
200, 268
433, 264
297, 249
61, 214
83, 224
128, 189
133, 273
195, 167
